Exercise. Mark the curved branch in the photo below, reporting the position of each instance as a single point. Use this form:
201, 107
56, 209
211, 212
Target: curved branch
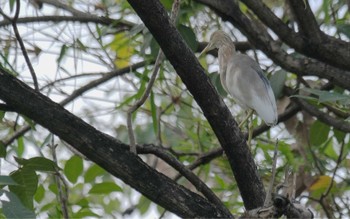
311, 40
184, 171
104, 150
339, 124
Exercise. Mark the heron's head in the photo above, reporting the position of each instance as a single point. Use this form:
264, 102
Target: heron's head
217, 40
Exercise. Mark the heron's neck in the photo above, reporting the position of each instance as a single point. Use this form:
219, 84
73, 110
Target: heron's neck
226, 52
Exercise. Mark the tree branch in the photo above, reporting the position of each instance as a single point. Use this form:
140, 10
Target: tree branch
20, 42
80, 91
6, 108
311, 41
104, 150
339, 124
258, 36
218, 115
307, 23
121, 25
184, 171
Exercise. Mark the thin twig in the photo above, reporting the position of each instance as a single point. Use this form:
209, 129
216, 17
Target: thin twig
62, 189
294, 186
141, 101
184, 171
339, 160
20, 41
268, 199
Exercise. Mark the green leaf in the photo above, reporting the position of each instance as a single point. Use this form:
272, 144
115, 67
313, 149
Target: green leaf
105, 188
326, 96
285, 150
30, 122
7, 180
344, 29
73, 168
2, 115
189, 36
126, 101
277, 81
81, 45
27, 184
12, 4
329, 150
167, 4
85, 212
320, 185
122, 45
63, 52
99, 32
339, 135
2, 149
154, 48
38, 164
93, 172
14, 207
39, 194
42, 164
318, 133
53, 188
84, 203
20, 146
215, 80
305, 97
154, 114
143, 205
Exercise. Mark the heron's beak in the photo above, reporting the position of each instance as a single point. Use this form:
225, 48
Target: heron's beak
206, 49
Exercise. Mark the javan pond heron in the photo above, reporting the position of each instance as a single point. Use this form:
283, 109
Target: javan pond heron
243, 79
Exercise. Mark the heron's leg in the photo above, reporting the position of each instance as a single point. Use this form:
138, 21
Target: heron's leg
250, 113
250, 132
250, 126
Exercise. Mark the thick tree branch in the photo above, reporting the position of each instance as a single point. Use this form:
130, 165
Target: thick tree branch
104, 150
307, 23
310, 41
339, 124
218, 115
230, 11
5, 107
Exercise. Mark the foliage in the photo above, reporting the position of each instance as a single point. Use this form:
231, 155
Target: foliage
39, 170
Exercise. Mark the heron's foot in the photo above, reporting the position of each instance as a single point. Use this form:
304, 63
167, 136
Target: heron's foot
250, 113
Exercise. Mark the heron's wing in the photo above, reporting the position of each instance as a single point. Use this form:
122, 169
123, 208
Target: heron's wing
251, 88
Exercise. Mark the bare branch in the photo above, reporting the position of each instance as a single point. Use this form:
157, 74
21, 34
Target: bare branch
184, 171
21, 44
339, 124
